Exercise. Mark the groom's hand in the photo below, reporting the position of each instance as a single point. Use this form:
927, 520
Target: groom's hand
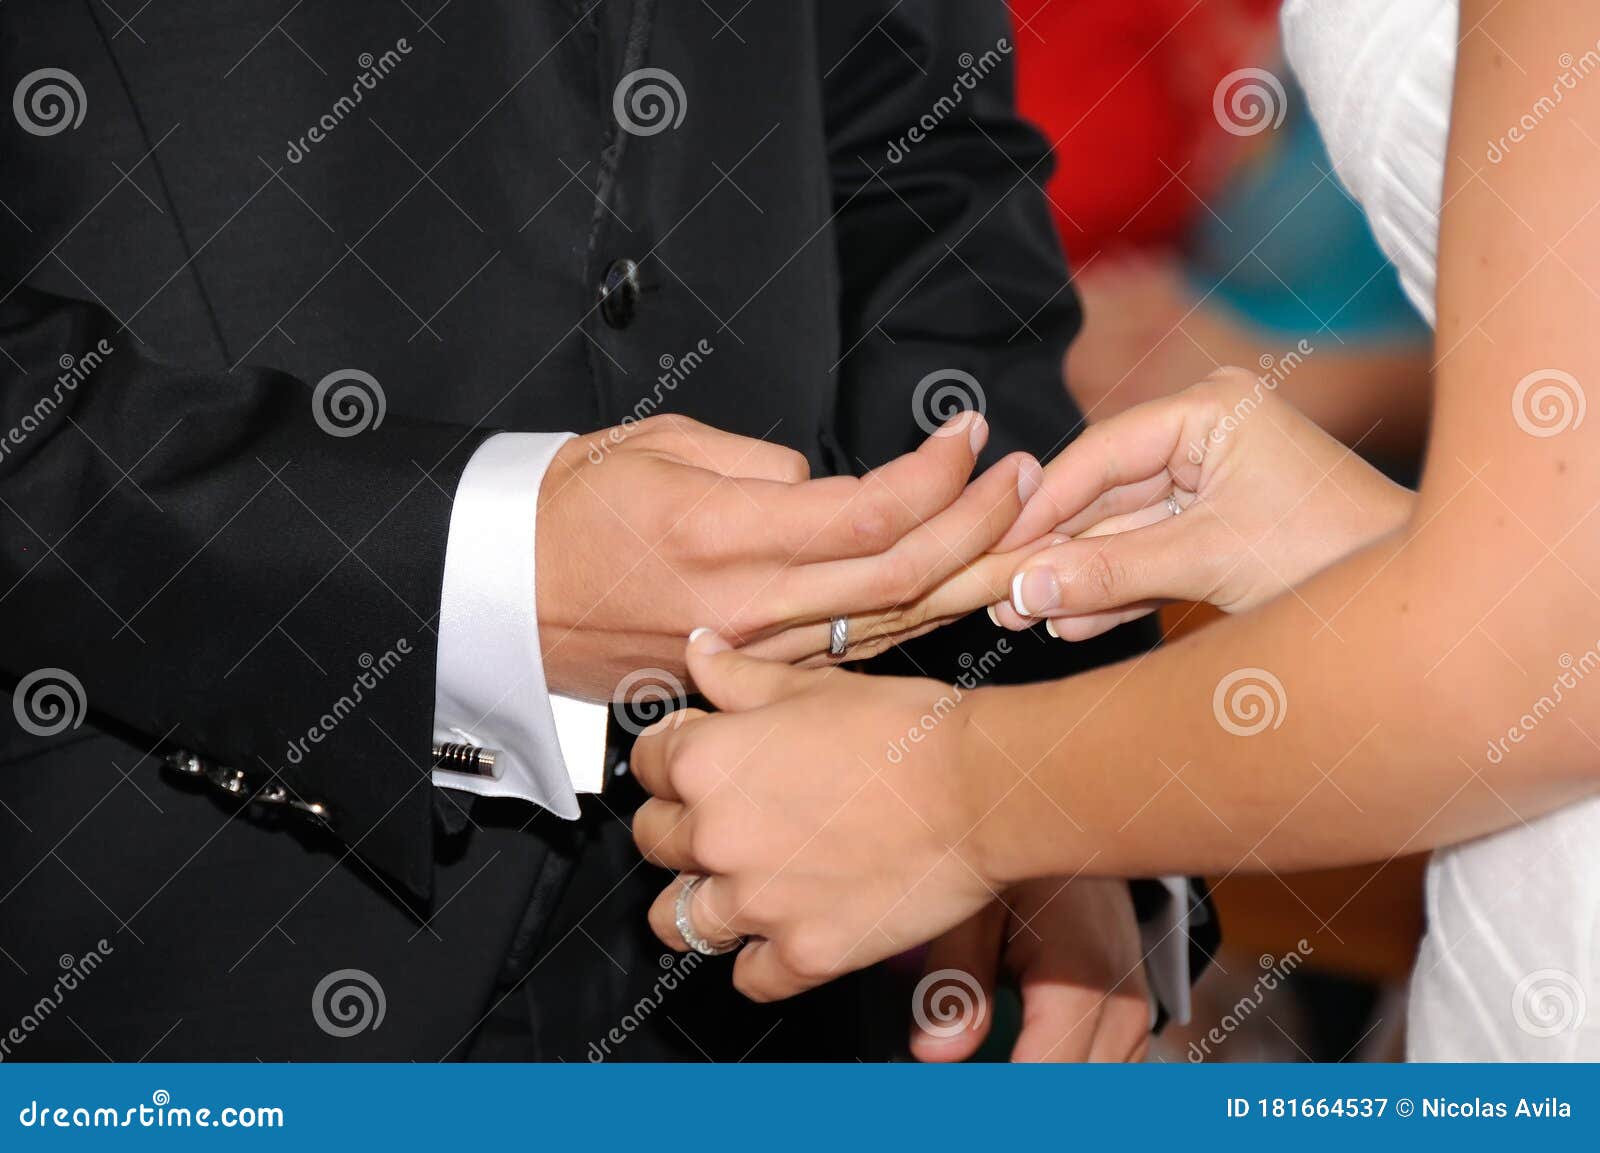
1073, 949
647, 531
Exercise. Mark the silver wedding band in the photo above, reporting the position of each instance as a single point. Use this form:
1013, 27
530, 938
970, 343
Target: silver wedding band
685, 921
838, 636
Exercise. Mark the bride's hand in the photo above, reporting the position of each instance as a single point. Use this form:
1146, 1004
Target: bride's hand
1222, 493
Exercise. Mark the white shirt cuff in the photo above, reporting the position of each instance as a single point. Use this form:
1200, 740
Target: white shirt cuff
1166, 949
490, 690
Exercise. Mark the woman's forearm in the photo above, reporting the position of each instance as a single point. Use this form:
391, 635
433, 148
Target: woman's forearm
1384, 707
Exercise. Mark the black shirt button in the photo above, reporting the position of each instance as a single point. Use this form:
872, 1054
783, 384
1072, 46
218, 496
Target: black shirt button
619, 293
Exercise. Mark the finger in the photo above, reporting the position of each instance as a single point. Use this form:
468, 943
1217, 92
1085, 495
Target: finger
651, 758
1059, 1021
927, 556
733, 680
1169, 560
760, 974
1085, 628
855, 517
662, 832
1124, 1031
952, 1016
708, 915
1129, 449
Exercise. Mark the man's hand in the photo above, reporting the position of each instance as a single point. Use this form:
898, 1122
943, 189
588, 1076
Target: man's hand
1072, 947
649, 531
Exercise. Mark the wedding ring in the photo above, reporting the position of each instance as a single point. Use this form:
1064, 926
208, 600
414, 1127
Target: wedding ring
1172, 504
838, 636
685, 922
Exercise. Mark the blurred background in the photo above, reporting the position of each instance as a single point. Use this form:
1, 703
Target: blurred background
1204, 226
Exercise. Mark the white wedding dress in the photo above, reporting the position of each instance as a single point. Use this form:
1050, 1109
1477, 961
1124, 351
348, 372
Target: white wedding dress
1510, 967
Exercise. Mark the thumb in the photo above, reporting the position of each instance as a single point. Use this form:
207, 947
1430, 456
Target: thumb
953, 1006
1169, 560
735, 681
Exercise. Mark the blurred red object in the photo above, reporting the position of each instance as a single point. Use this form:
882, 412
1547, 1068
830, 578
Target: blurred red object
1123, 92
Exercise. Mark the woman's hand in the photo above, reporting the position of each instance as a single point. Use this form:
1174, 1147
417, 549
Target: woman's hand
1222, 493
829, 811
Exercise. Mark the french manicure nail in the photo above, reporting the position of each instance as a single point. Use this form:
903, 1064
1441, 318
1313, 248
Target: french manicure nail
1035, 591
978, 433
1050, 627
697, 634
1029, 476
994, 616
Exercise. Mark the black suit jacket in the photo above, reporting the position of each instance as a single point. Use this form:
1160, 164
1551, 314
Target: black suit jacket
254, 201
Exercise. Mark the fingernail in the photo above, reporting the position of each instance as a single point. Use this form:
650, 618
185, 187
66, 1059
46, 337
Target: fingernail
1029, 476
1035, 591
715, 645
978, 433
994, 616
1050, 627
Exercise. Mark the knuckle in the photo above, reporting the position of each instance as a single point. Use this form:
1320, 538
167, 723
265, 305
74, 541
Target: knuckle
711, 847
896, 578
794, 466
809, 954
1101, 578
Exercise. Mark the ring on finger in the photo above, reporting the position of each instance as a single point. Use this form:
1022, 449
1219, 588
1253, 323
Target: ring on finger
684, 919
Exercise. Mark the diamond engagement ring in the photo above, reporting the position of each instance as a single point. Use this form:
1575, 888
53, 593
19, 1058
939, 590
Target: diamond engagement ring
838, 636
1172, 504
685, 923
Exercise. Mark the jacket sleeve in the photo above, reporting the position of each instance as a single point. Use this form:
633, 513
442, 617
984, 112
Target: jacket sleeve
233, 562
